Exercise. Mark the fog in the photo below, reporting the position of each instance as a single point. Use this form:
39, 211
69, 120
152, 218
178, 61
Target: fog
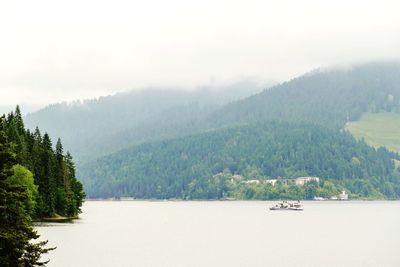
53, 51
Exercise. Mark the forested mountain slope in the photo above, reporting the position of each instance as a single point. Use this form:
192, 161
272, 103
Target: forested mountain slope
155, 124
327, 97
191, 167
100, 126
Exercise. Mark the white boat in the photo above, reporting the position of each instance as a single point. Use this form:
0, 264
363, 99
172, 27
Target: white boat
284, 205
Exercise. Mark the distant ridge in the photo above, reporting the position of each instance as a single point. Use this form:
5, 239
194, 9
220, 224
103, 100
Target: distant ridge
100, 126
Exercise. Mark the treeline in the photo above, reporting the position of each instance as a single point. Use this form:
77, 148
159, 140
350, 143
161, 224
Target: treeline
327, 97
36, 181
227, 185
17, 204
55, 189
190, 167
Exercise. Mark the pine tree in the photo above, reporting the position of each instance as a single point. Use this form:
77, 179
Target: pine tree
76, 195
61, 181
48, 186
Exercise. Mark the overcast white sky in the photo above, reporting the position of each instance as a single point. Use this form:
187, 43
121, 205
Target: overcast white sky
54, 50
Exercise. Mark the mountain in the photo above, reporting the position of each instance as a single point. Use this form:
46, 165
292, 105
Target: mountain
329, 97
100, 126
136, 143
191, 167
324, 100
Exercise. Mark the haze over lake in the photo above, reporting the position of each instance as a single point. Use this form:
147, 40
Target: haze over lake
146, 233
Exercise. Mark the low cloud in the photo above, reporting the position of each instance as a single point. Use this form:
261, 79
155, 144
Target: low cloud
77, 49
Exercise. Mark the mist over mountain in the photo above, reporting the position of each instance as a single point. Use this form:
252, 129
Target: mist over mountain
99, 126
329, 97
158, 119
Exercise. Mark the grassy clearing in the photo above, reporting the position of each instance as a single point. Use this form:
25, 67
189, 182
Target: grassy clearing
381, 129
397, 163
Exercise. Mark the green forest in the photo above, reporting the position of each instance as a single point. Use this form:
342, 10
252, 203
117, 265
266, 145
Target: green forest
156, 144
36, 182
219, 164
327, 97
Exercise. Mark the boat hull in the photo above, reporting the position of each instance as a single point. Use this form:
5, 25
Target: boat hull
286, 209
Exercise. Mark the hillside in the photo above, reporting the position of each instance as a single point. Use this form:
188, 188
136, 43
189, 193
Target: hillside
192, 167
328, 97
121, 126
100, 126
378, 129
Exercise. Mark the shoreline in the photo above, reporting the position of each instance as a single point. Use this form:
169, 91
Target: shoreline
233, 200
57, 219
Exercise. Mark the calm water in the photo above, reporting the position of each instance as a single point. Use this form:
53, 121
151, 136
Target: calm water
144, 233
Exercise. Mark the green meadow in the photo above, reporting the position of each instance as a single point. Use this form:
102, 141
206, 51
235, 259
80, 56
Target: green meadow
378, 129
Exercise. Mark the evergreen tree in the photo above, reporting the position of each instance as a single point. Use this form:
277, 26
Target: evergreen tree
75, 195
61, 182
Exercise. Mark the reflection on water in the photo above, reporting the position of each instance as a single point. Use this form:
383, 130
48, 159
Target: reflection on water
144, 233
54, 224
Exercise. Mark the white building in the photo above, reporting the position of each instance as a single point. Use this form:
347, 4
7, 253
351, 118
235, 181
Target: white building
236, 178
344, 196
252, 181
302, 180
271, 181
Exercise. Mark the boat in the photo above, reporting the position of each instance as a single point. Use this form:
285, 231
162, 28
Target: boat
284, 205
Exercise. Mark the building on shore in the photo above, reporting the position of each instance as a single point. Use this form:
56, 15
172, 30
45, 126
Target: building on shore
254, 182
236, 178
271, 181
344, 196
302, 180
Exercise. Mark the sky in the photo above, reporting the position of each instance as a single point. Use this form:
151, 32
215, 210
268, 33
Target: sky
61, 50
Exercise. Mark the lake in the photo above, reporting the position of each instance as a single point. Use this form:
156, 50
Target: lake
227, 233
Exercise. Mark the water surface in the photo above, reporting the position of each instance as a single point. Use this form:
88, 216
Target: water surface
145, 233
